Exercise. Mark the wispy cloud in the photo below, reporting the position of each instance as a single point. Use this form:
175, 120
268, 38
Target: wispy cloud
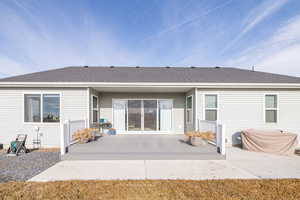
193, 19
9, 66
255, 17
266, 9
279, 53
35, 42
288, 33
39, 35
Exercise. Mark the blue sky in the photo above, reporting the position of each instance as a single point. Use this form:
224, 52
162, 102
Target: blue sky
39, 35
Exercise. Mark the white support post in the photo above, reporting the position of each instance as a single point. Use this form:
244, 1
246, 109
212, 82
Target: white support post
223, 140
68, 142
219, 135
62, 139
86, 123
88, 107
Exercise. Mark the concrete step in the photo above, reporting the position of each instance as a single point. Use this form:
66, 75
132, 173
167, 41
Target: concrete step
143, 156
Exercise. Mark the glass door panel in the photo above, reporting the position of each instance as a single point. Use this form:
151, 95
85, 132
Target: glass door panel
120, 115
134, 115
165, 115
150, 115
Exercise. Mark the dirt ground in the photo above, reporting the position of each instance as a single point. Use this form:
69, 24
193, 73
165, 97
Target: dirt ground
179, 189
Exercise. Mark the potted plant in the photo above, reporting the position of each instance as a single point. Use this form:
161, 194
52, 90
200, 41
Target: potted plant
112, 131
85, 135
197, 138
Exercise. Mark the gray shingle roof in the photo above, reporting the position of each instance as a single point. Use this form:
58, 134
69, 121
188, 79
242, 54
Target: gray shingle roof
154, 75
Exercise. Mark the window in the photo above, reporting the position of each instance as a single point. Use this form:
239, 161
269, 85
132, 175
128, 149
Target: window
211, 107
51, 108
95, 109
42, 108
189, 109
271, 108
32, 107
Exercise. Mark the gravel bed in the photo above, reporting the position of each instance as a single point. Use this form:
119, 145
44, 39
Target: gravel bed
24, 167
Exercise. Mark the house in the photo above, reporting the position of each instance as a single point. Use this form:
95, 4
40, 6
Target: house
147, 100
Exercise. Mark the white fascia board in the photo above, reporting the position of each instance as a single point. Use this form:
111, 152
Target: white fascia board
137, 84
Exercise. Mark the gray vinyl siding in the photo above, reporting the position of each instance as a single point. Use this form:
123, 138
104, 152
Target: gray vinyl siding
73, 107
238, 109
243, 109
178, 106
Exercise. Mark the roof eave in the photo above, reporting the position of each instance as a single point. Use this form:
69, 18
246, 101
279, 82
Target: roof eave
143, 84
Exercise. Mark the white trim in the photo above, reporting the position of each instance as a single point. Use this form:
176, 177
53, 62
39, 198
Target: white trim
94, 109
88, 107
142, 131
157, 115
191, 109
196, 110
143, 115
204, 105
41, 93
276, 109
143, 84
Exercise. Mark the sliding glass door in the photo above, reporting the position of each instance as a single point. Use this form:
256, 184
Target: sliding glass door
120, 115
142, 115
150, 115
134, 115
165, 115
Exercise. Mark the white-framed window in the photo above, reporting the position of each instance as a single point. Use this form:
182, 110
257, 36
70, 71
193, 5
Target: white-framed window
42, 108
189, 109
95, 108
211, 107
271, 108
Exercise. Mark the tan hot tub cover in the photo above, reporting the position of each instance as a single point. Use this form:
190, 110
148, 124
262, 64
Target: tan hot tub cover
269, 141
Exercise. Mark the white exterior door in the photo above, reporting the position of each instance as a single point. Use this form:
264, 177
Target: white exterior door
120, 115
165, 115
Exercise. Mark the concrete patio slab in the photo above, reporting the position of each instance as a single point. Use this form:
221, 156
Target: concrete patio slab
240, 164
135, 170
194, 170
93, 170
265, 165
141, 147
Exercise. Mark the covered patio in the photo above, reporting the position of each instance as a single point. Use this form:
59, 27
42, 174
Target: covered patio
141, 147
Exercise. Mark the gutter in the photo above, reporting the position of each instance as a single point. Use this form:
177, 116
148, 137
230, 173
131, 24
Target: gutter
145, 85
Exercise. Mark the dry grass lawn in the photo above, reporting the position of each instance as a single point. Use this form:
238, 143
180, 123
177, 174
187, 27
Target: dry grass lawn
219, 189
